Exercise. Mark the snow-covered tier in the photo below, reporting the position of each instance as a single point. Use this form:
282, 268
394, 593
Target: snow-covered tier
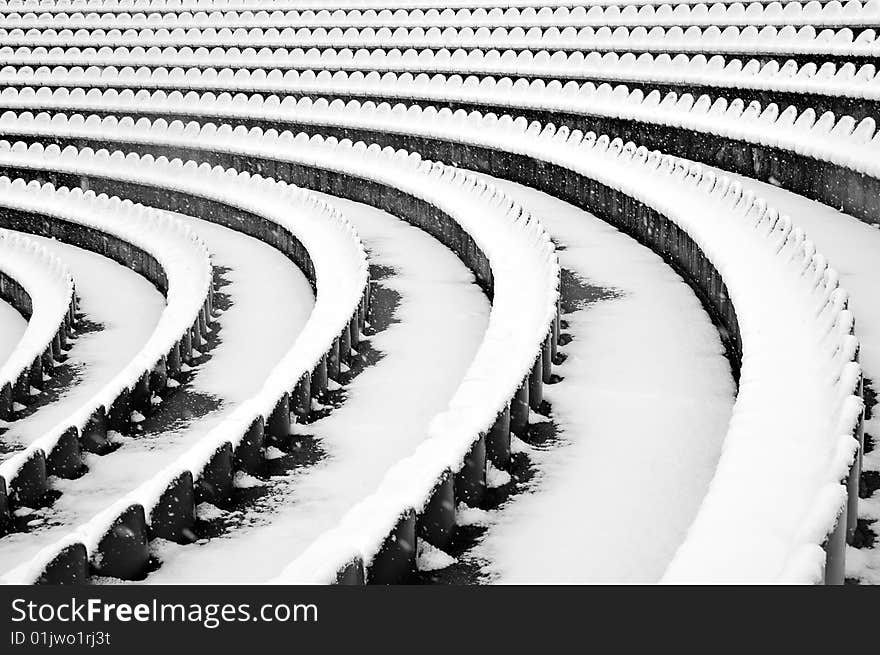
178, 6
337, 255
779, 491
337, 261
521, 270
769, 39
782, 279
840, 141
853, 13
169, 254
268, 72
41, 288
783, 499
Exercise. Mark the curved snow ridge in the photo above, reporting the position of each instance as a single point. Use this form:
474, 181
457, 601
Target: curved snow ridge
336, 253
524, 279
780, 532
171, 6
732, 39
667, 14
166, 67
840, 141
47, 299
513, 232
297, 70
778, 492
185, 272
338, 269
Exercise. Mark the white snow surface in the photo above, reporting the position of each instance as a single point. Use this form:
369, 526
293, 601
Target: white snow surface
519, 252
509, 16
182, 257
524, 271
12, 327
334, 248
271, 301
124, 304
642, 413
853, 246
437, 75
441, 319
769, 512
340, 269
275, 70
843, 141
48, 283
105, 7
431, 558
749, 39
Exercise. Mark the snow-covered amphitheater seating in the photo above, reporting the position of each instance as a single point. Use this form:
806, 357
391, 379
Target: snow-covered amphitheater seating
801, 43
505, 376
39, 286
843, 89
833, 13
508, 136
820, 157
316, 238
167, 254
177, 6
606, 107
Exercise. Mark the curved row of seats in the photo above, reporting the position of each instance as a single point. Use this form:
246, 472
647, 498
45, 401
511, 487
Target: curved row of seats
843, 143
503, 94
40, 287
842, 44
735, 495
833, 14
509, 252
781, 310
843, 90
188, 69
815, 513
178, 6
319, 240
161, 249
840, 143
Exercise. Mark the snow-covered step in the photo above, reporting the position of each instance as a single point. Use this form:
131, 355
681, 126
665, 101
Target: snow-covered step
161, 249
855, 245
724, 517
434, 331
395, 16
12, 327
101, 7
805, 562
379, 72
121, 310
40, 288
848, 242
313, 235
260, 324
642, 175
642, 411
851, 147
316, 237
508, 252
769, 40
